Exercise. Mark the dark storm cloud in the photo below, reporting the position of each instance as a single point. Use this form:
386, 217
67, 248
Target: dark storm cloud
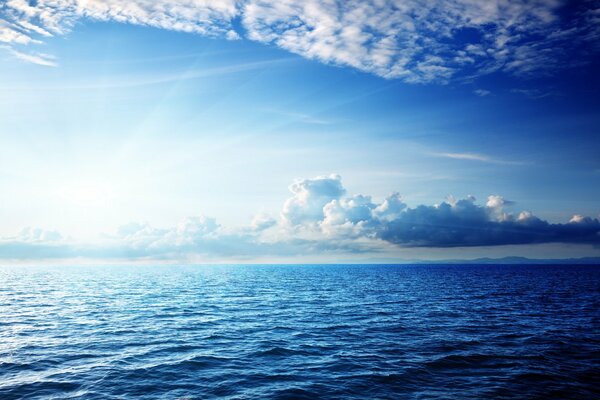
467, 224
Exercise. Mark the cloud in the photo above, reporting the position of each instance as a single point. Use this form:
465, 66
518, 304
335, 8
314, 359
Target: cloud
416, 41
465, 224
533, 93
482, 92
475, 157
37, 235
204, 17
464, 156
453, 223
318, 219
35, 243
390, 208
139, 80
351, 217
11, 35
301, 117
34, 58
262, 222
309, 198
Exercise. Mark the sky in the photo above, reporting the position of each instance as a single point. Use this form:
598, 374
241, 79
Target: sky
298, 131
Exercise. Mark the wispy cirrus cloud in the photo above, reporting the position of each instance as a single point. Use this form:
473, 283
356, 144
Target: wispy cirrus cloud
476, 157
482, 92
534, 93
416, 41
11, 35
46, 60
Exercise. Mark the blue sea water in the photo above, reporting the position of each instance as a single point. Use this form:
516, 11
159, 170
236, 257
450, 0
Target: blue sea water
300, 332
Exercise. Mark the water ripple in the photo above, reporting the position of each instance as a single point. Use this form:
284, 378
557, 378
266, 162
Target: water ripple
300, 332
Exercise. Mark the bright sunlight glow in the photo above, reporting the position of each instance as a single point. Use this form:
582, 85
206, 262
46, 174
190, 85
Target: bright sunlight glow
87, 193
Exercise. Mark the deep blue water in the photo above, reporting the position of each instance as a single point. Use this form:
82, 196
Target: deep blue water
259, 332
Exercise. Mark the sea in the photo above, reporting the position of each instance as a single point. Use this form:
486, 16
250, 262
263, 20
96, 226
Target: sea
300, 332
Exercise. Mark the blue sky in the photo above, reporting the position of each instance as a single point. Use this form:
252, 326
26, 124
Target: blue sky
275, 131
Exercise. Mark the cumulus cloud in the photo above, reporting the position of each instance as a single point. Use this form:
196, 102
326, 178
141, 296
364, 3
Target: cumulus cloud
319, 204
453, 223
390, 208
319, 218
32, 235
34, 243
309, 198
466, 224
262, 221
351, 217
417, 41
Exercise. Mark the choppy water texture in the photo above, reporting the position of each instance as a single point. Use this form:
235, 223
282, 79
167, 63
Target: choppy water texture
257, 332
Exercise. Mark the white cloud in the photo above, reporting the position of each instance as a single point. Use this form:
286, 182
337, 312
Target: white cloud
391, 207
417, 41
262, 222
199, 16
464, 156
30, 234
475, 157
414, 40
45, 60
350, 217
319, 219
309, 198
28, 26
39, 59
497, 202
11, 35
496, 205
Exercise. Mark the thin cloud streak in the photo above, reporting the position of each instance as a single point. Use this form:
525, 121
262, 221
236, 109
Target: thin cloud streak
45, 60
132, 81
301, 117
477, 157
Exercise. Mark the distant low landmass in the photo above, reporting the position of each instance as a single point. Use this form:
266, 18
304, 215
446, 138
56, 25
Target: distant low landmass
518, 260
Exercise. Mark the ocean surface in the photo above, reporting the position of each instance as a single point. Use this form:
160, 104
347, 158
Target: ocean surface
300, 332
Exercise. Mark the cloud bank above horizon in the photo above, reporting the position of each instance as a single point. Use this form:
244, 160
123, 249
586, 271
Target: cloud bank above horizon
319, 218
415, 41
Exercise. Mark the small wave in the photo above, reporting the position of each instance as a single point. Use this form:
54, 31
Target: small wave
39, 389
295, 393
280, 352
470, 361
